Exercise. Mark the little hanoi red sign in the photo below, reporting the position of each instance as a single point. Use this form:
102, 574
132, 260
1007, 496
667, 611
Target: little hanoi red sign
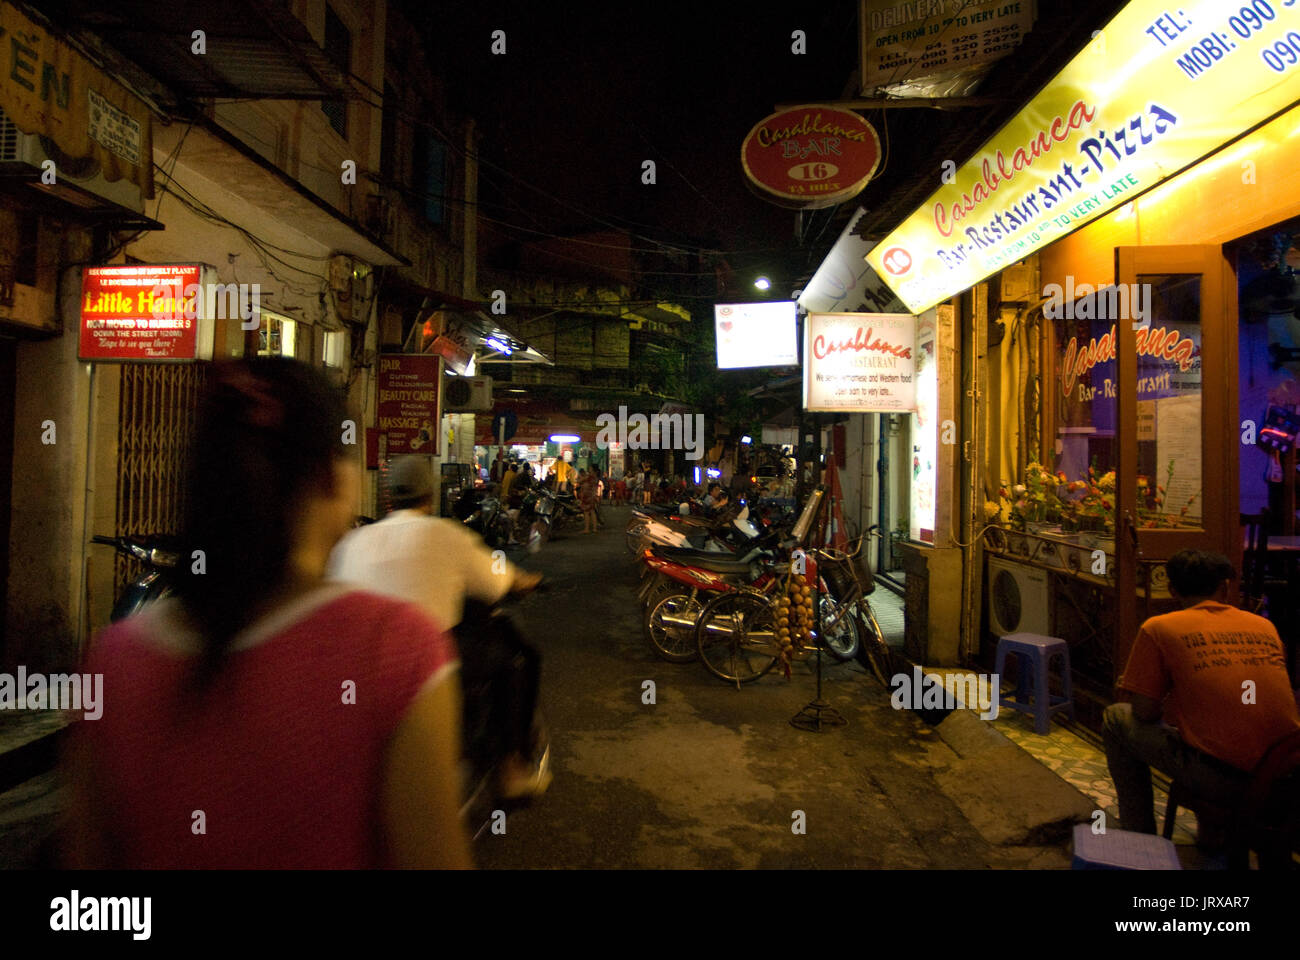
810, 156
142, 312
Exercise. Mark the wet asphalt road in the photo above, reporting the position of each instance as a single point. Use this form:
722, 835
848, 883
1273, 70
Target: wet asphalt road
710, 776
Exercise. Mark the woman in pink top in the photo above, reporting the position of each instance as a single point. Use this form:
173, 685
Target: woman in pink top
260, 717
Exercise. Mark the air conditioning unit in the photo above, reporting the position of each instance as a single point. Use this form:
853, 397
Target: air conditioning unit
1017, 598
77, 180
466, 394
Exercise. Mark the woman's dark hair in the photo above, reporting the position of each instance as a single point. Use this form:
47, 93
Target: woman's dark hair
268, 433
1196, 573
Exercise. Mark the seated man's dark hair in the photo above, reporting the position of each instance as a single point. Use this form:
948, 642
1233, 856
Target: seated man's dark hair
1198, 573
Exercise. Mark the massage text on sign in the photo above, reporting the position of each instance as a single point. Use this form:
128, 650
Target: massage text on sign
1155, 91
859, 362
408, 402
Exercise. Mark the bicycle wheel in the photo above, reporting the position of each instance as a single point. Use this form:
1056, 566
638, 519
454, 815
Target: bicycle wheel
842, 641
873, 652
736, 637
670, 625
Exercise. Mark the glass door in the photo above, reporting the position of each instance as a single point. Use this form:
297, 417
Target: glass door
1174, 338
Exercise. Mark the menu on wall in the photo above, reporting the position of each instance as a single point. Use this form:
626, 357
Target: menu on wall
925, 432
1178, 441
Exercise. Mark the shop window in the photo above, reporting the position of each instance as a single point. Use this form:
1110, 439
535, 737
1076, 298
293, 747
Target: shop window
1170, 437
335, 340
1077, 489
429, 167
338, 48
277, 337
388, 135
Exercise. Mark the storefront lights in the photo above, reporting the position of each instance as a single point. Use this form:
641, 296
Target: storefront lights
564, 438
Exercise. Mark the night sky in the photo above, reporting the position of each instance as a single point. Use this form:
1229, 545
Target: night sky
584, 95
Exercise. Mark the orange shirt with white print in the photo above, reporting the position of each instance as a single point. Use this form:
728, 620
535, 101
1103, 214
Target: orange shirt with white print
1202, 658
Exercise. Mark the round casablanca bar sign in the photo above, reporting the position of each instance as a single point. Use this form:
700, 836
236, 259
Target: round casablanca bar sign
810, 156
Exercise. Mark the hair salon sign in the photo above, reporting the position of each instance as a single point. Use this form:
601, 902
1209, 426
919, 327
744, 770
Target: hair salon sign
859, 362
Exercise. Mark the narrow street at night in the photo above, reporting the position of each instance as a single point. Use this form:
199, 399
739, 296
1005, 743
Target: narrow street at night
710, 776
714, 445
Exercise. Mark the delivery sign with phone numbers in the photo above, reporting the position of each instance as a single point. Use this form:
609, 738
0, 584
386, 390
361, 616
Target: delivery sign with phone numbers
1158, 89
140, 312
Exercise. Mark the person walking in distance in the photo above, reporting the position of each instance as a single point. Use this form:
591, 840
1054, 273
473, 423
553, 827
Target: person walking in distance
440, 565
587, 500
261, 717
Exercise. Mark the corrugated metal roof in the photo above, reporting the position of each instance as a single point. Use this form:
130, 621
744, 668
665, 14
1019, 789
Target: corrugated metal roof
254, 48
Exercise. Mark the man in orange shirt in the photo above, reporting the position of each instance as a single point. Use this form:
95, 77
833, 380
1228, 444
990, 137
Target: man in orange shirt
1219, 673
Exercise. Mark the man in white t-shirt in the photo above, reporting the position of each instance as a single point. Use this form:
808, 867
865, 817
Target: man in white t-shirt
439, 563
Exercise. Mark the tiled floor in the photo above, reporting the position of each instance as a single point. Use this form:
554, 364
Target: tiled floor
1082, 764
888, 608
1069, 752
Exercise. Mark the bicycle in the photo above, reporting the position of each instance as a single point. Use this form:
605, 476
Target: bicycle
737, 634
844, 570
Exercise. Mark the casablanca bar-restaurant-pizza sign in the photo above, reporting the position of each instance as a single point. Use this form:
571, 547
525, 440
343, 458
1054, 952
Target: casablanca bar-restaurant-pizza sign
859, 362
1158, 89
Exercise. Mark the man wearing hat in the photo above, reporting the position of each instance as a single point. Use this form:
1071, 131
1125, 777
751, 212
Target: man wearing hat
439, 564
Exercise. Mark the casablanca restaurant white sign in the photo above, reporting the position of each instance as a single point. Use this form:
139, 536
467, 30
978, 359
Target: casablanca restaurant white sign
859, 363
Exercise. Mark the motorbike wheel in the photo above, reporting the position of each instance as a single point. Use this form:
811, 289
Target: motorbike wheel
673, 643
541, 531
634, 537
842, 643
873, 652
736, 637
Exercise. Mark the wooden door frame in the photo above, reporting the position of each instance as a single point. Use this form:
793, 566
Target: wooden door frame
1220, 530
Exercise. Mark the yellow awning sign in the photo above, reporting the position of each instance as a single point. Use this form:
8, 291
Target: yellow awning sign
48, 88
1154, 92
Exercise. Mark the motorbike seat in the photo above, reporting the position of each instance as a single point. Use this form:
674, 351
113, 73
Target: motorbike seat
704, 559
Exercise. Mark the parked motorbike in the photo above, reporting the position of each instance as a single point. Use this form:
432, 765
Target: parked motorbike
158, 555
490, 521
724, 534
678, 583
546, 514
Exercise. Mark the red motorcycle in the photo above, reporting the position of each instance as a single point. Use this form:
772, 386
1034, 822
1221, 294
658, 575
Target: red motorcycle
685, 581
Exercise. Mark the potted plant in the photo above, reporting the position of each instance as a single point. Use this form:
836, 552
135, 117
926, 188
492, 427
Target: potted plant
897, 537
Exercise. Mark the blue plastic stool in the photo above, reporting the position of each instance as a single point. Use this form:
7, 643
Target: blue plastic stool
1033, 653
1121, 850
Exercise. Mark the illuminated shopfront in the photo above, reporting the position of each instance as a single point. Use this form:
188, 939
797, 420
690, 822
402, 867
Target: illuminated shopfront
1121, 251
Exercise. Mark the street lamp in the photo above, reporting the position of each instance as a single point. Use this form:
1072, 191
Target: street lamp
763, 283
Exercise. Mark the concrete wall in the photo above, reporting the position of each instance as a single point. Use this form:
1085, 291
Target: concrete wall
49, 525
